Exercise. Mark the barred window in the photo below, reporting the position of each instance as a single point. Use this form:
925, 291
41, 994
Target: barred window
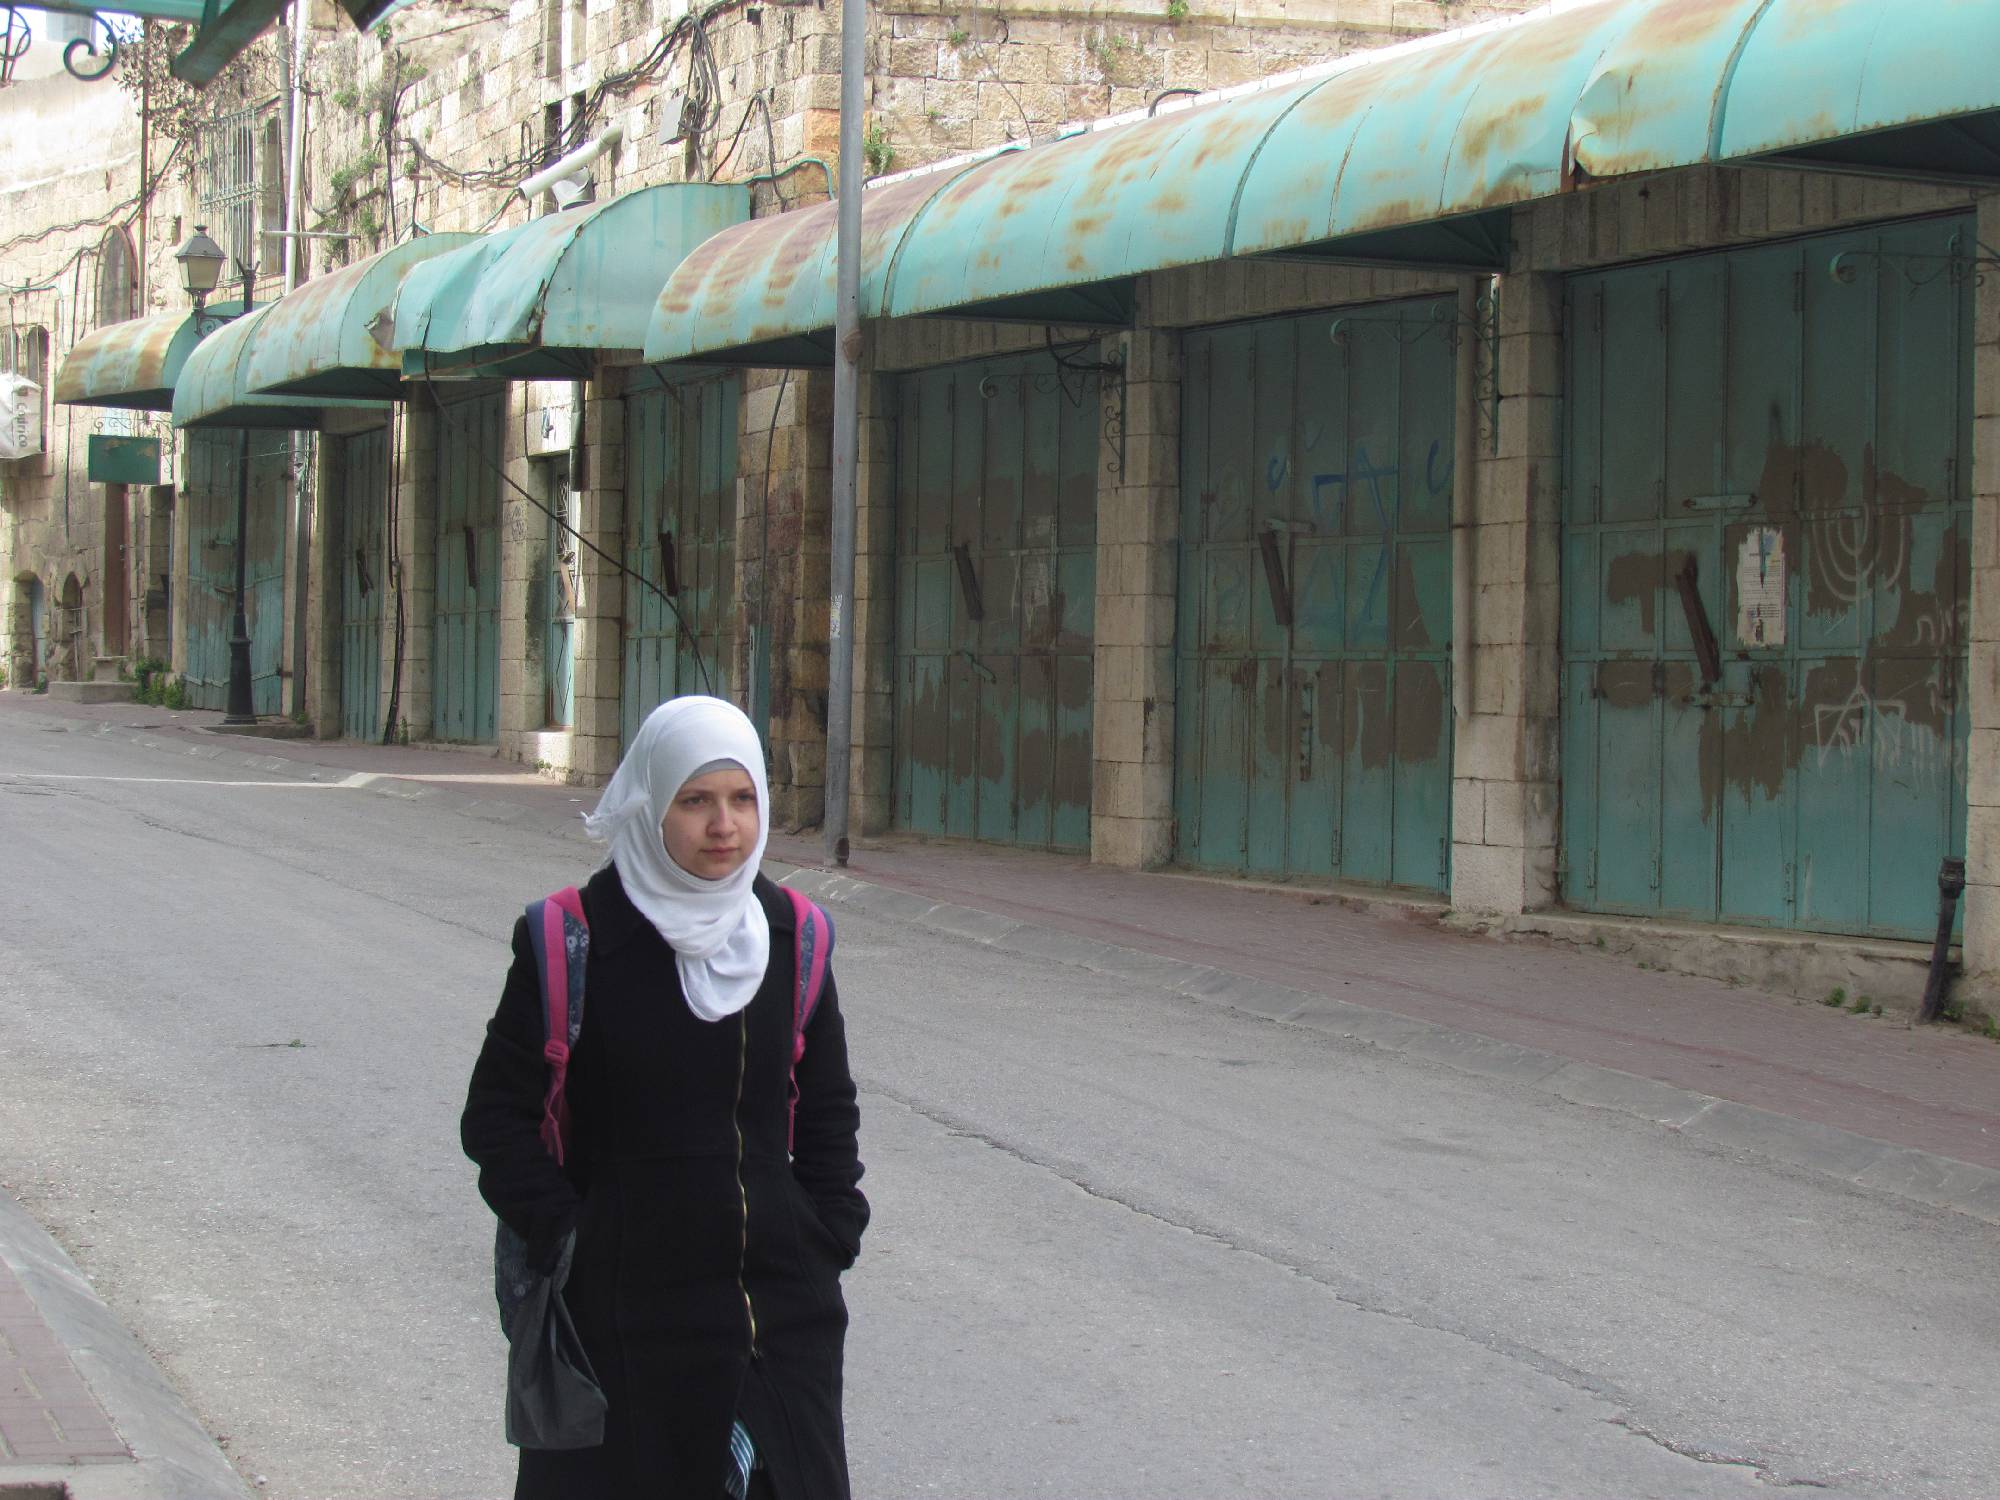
117, 278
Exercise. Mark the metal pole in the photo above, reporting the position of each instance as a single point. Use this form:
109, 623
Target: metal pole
242, 710
846, 434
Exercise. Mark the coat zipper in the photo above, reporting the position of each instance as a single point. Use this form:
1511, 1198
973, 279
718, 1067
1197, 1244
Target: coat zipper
742, 1192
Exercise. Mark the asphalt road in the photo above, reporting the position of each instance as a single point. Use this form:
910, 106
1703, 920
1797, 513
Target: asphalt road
1126, 1244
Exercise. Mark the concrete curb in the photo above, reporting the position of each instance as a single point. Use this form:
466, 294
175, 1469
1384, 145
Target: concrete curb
173, 1457
1862, 1161
1858, 1160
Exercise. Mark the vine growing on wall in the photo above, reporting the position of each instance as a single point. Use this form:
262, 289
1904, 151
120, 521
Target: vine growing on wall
178, 110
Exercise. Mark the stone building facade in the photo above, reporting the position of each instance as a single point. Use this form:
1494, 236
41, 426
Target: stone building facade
1553, 594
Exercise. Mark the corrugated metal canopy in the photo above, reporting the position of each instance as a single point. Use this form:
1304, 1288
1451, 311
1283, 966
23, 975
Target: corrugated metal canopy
783, 313
335, 336
211, 390
542, 300
132, 365
1412, 155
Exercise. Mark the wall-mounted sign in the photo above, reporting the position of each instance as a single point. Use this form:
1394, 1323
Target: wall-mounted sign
20, 417
124, 460
1760, 588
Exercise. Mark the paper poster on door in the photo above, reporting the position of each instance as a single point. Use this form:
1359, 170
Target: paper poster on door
1760, 588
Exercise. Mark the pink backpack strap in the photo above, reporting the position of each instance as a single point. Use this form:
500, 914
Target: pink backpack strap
812, 949
548, 922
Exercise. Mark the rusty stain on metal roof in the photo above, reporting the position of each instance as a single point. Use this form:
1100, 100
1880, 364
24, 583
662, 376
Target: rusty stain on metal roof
131, 365
211, 390
1499, 116
335, 335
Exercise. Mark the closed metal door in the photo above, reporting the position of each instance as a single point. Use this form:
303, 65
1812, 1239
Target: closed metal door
465, 675
212, 463
1765, 579
364, 570
996, 584
680, 535
1314, 720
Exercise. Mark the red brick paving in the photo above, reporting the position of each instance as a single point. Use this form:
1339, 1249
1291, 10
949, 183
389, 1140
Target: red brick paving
47, 1414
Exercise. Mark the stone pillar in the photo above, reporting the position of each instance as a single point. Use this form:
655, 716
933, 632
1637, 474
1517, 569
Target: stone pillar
324, 572
598, 642
1982, 771
1504, 772
784, 492
414, 579
1138, 555
871, 783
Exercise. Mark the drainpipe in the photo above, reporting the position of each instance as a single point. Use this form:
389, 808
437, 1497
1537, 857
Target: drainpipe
846, 435
1465, 464
304, 449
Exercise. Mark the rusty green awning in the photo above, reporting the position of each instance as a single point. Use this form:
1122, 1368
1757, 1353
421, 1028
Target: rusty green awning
335, 336
132, 365
764, 289
543, 300
212, 389
1413, 155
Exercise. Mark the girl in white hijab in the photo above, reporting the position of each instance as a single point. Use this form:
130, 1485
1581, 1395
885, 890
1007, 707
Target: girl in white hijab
705, 1198
717, 928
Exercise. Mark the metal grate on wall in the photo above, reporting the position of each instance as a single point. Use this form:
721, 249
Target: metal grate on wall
229, 182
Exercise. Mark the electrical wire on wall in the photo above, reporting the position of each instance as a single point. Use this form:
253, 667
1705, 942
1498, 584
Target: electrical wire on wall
680, 620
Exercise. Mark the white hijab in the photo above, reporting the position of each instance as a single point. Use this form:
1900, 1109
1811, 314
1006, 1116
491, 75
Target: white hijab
717, 928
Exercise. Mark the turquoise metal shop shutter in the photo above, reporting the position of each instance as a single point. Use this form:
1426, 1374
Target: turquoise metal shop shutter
212, 460
1793, 422
1314, 714
680, 535
996, 580
465, 673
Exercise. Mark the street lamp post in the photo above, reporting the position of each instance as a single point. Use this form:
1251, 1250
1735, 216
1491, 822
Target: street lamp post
201, 268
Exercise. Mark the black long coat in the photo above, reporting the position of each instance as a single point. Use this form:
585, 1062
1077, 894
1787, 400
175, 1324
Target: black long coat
706, 1277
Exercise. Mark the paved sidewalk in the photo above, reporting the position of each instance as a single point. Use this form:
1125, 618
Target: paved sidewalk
85, 1414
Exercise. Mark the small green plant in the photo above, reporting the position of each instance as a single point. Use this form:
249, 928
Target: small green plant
875, 148
1991, 1029
150, 675
1953, 1011
1109, 50
3, 677
41, 684
1875, 1009
1600, 940
1177, 10
1836, 998
343, 179
347, 98
176, 695
958, 38
1861, 1004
